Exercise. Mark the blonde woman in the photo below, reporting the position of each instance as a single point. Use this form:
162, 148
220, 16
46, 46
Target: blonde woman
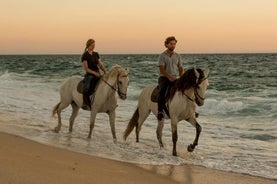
91, 63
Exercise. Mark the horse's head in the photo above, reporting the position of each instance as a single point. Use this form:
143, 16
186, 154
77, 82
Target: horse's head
201, 85
195, 79
122, 82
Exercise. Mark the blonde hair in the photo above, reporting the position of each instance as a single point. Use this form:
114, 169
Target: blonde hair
89, 42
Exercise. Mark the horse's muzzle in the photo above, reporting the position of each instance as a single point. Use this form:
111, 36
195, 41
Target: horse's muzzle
200, 103
123, 96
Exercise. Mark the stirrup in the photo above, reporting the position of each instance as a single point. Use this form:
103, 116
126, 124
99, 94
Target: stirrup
86, 107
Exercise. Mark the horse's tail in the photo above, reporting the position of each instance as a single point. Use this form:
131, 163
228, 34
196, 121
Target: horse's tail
55, 109
132, 123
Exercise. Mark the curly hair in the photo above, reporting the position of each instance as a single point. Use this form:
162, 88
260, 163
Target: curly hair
169, 39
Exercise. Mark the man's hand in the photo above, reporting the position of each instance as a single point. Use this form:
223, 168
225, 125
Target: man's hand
171, 78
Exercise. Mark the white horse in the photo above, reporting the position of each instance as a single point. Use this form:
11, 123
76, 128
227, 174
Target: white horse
105, 98
187, 93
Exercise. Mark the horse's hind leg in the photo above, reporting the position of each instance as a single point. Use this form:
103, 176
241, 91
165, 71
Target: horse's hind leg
75, 110
62, 106
143, 114
191, 147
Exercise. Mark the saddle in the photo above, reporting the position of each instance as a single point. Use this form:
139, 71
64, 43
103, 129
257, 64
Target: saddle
156, 92
80, 89
155, 96
80, 86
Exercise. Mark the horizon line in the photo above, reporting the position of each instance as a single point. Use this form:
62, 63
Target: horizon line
192, 53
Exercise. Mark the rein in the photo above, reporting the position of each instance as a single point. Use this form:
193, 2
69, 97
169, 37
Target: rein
189, 97
111, 86
197, 96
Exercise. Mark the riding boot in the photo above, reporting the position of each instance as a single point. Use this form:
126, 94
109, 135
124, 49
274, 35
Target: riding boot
86, 101
160, 115
163, 83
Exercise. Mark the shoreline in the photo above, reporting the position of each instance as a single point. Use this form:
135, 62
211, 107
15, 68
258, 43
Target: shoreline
26, 161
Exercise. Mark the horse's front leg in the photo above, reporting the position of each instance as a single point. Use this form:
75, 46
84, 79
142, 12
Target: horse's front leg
198, 131
92, 120
174, 136
112, 124
159, 132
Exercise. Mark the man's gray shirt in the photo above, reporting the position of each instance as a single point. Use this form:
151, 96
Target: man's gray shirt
171, 64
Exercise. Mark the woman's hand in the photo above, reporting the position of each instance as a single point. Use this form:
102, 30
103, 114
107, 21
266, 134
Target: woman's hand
96, 74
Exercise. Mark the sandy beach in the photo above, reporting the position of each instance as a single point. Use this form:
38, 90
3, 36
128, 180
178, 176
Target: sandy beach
25, 161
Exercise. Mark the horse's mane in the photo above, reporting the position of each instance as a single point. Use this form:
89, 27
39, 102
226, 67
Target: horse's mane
115, 66
113, 69
186, 81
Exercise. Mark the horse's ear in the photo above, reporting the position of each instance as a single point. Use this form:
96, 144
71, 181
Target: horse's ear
207, 72
196, 74
127, 69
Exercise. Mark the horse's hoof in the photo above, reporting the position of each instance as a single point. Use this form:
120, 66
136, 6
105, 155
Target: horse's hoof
89, 137
56, 129
190, 148
114, 141
161, 145
174, 154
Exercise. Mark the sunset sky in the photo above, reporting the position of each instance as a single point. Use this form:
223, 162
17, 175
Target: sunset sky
137, 26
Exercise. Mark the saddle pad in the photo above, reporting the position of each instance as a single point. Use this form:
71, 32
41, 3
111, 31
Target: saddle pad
155, 94
80, 86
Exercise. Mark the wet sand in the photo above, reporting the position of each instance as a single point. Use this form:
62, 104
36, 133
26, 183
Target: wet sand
26, 162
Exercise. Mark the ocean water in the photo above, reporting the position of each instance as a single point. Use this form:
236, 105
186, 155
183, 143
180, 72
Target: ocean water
239, 117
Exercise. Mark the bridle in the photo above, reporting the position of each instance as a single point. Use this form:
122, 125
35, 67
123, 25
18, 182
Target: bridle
114, 88
198, 98
196, 94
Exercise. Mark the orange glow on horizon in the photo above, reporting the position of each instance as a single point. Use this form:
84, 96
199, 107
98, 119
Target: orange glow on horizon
141, 26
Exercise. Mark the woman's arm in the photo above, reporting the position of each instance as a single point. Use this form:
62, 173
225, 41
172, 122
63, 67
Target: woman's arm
101, 66
86, 68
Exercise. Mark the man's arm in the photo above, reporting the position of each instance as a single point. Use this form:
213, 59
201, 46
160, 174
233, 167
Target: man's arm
166, 74
181, 70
